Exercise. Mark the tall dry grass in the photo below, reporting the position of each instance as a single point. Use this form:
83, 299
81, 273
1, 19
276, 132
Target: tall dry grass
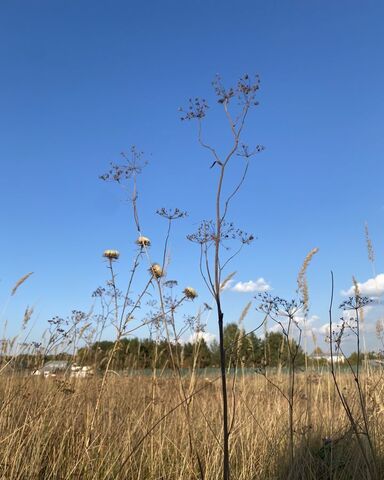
45, 429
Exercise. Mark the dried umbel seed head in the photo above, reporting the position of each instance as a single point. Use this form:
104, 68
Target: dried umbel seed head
143, 241
190, 293
111, 254
156, 270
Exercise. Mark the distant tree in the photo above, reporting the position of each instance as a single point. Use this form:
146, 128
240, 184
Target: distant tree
205, 355
242, 349
277, 352
318, 351
354, 358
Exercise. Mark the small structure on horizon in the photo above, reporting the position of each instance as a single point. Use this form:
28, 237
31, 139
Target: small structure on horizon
78, 371
319, 356
53, 368
62, 367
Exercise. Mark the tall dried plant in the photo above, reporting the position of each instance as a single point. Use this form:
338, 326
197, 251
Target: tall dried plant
212, 235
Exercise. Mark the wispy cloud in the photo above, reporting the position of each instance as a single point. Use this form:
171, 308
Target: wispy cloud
322, 330
373, 287
259, 285
305, 324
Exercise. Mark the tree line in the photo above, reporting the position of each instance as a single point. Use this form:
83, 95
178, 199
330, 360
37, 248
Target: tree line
243, 350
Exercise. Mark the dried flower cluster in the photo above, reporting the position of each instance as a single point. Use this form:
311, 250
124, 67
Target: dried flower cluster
190, 293
156, 270
143, 241
111, 254
132, 166
206, 233
171, 213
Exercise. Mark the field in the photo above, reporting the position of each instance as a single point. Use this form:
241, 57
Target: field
51, 429
191, 258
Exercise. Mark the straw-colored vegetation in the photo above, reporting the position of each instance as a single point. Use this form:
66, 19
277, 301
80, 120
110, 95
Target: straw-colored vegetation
306, 420
46, 429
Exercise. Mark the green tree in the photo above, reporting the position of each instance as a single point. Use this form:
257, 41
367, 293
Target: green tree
276, 350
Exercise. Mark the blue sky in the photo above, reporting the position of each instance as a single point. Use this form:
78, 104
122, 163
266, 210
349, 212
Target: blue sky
83, 81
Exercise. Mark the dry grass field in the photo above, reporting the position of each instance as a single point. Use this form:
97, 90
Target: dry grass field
50, 429
298, 423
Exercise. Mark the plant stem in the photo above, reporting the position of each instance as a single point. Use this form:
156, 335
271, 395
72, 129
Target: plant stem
224, 394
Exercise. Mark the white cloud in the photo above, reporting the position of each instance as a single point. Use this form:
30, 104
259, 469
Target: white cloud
368, 309
300, 319
260, 285
207, 336
322, 330
304, 324
373, 287
349, 322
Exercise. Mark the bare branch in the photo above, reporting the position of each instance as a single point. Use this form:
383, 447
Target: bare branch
230, 197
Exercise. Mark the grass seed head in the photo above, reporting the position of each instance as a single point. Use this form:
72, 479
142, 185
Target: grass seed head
20, 282
302, 277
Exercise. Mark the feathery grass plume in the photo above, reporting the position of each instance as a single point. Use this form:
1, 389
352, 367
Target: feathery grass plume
361, 316
368, 241
227, 280
27, 316
111, 254
4, 346
379, 327
83, 329
12, 342
302, 277
314, 338
143, 241
241, 330
357, 296
20, 282
190, 293
356, 286
244, 313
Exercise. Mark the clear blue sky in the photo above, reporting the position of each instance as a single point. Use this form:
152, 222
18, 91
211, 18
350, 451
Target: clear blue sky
82, 81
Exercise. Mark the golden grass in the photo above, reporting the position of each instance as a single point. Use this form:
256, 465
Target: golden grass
45, 429
302, 283
20, 282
